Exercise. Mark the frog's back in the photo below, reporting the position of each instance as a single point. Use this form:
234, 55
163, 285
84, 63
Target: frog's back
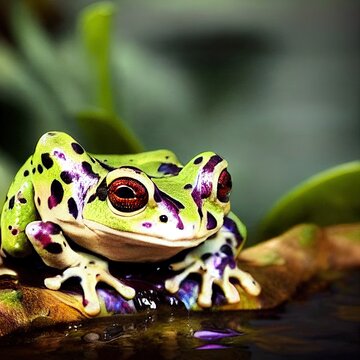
155, 163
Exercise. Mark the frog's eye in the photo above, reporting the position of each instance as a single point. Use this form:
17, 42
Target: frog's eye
224, 186
127, 194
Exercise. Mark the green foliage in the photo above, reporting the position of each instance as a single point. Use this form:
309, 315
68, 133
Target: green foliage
106, 132
95, 27
54, 84
331, 197
61, 84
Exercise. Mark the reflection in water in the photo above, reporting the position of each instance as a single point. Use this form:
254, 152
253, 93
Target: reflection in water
324, 324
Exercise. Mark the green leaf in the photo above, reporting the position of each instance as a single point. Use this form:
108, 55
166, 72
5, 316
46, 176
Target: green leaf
43, 59
107, 134
331, 197
17, 82
95, 26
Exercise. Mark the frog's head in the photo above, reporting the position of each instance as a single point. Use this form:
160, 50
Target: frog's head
162, 214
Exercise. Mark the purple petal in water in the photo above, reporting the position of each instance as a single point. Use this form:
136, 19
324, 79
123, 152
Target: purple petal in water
211, 347
215, 334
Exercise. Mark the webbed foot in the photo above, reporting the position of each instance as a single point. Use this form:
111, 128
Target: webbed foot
90, 270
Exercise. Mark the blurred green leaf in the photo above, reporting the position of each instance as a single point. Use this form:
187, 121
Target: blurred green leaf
107, 134
43, 59
95, 26
331, 197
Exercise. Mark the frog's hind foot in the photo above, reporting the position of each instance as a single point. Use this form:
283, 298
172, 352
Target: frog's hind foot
90, 270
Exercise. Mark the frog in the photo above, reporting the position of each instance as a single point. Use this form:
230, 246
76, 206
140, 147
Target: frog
80, 211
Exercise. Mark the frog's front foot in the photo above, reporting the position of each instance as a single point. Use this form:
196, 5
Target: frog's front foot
215, 269
90, 270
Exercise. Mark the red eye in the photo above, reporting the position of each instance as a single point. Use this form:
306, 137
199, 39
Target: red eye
224, 186
127, 194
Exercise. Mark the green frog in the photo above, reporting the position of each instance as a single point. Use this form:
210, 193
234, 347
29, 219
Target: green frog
138, 208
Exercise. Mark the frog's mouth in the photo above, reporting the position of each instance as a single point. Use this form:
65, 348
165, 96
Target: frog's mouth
125, 246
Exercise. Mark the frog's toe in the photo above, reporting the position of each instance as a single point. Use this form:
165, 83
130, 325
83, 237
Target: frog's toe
250, 285
6, 271
173, 284
54, 283
126, 291
92, 308
205, 294
230, 292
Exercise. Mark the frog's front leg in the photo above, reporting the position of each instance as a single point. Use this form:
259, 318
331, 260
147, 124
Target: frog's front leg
215, 261
50, 243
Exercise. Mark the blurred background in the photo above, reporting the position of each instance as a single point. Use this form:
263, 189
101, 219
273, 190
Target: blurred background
272, 86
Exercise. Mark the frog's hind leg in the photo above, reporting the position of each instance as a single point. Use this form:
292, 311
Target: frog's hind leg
50, 243
18, 210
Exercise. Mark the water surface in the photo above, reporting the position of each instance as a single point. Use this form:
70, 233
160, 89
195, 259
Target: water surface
321, 322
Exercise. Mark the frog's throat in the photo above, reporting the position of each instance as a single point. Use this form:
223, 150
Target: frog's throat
124, 246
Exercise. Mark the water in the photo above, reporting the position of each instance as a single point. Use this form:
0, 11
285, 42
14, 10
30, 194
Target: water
321, 322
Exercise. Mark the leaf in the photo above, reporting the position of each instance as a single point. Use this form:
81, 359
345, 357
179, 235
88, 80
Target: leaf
331, 197
43, 59
19, 85
306, 251
107, 134
94, 25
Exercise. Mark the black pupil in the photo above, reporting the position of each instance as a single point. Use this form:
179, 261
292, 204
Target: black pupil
125, 192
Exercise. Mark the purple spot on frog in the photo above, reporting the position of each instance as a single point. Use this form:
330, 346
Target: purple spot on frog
73, 208
220, 262
68, 177
211, 222
169, 169
77, 148
57, 193
198, 160
59, 155
210, 165
231, 226
45, 230
51, 202
87, 168
204, 186
147, 225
